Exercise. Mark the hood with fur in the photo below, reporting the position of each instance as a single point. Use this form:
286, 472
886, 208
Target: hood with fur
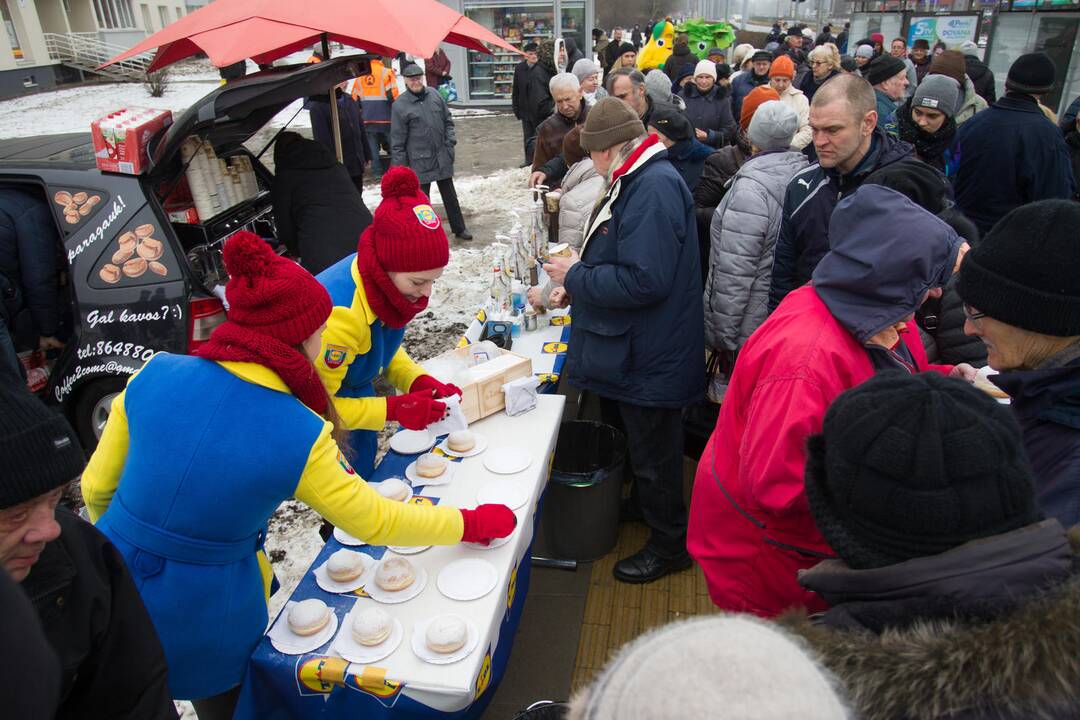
1022, 663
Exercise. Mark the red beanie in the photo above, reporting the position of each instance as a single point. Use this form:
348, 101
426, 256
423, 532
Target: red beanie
406, 231
757, 96
270, 295
782, 67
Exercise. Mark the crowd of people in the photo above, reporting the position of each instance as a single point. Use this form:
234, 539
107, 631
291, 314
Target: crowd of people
824, 249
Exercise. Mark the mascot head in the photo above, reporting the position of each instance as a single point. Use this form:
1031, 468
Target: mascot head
658, 49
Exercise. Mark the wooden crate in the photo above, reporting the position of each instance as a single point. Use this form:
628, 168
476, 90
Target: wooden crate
484, 395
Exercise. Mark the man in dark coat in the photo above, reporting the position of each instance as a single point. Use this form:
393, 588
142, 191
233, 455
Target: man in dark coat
679, 57
614, 49
354, 139
850, 148
920, 58
982, 77
570, 110
1008, 155
636, 36
317, 211
758, 75
521, 100
30, 678
111, 661
422, 138
1021, 289
638, 313
30, 265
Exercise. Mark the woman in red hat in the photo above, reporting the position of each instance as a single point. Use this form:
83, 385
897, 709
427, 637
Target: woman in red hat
375, 294
198, 453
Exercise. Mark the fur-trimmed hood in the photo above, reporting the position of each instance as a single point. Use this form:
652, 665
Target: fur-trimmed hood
1022, 663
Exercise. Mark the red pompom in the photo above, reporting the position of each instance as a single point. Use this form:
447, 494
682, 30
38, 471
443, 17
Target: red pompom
399, 182
248, 256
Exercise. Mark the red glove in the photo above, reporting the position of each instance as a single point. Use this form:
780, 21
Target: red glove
426, 382
414, 411
487, 522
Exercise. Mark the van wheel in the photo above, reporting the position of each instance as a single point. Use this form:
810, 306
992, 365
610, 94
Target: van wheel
92, 410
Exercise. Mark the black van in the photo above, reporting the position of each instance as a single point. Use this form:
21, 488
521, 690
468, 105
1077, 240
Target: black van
116, 321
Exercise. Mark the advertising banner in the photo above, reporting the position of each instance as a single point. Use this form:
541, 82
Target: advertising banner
949, 29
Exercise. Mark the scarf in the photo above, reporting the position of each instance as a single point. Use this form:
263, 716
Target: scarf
930, 147
390, 306
236, 343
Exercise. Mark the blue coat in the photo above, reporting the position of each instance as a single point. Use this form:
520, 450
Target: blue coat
29, 260
741, 87
1047, 406
1007, 156
637, 298
808, 204
886, 107
710, 112
688, 157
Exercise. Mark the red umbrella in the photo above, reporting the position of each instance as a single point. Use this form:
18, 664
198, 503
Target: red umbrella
232, 30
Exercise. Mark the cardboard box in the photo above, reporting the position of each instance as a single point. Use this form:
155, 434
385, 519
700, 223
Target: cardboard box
121, 138
483, 396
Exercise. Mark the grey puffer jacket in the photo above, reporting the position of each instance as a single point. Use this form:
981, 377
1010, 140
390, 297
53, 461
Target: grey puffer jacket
581, 188
422, 135
743, 234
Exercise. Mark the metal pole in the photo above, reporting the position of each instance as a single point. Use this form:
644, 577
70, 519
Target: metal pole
336, 127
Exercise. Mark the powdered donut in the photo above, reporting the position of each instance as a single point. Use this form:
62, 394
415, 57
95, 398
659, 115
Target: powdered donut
308, 617
461, 441
446, 634
371, 626
344, 566
394, 574
393, 489
430, 465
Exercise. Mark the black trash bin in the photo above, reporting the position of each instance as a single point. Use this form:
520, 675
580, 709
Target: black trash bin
543, 710
580, 517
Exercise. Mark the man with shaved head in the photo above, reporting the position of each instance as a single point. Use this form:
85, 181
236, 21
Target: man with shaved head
849, 147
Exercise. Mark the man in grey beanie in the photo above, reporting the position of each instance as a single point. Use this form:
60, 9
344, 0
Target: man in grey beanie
927, 120
745, 225
636, 341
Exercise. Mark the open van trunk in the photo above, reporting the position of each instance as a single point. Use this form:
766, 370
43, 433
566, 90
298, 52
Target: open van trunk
225, 119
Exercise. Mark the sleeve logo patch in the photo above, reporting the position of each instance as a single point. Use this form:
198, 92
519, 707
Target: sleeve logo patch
427, 216
334, 356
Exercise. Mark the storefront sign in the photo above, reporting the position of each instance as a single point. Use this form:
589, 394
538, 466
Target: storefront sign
949, 29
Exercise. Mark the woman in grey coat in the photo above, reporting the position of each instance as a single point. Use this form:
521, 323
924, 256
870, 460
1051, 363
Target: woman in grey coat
744, 229
422, 138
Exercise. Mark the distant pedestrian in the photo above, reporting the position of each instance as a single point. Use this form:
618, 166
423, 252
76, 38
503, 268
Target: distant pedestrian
757, 76
530, 97
920, 58
888, 76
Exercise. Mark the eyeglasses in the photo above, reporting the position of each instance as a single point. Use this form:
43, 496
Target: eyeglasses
973, 315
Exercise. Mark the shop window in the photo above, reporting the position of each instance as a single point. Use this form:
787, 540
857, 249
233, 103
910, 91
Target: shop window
491, 77
163, 14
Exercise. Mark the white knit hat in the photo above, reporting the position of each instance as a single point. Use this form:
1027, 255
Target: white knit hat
705, 67
729, 667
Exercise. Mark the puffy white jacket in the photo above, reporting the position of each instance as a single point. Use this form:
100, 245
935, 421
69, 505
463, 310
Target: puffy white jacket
743, 235
581, 188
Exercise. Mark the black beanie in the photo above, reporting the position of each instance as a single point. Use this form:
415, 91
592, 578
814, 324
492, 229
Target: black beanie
1026, 271
39, 449
923, 185
908, 466
882, 68
1032, 73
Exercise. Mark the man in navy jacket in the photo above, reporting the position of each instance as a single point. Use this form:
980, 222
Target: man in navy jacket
1010, 155
638, 316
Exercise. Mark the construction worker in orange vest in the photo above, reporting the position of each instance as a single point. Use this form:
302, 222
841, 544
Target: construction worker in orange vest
376, 93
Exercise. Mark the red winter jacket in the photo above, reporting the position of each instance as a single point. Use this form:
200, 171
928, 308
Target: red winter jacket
787, 374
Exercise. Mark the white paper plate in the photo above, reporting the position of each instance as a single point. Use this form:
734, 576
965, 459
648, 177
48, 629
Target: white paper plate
420, 648
481, 446
323, 579
408, 549
412, 442
375, 487
507, 460
468, 579
346, 539
496, 543
393, 598
445, 478
511, 493
353, 651
287, 642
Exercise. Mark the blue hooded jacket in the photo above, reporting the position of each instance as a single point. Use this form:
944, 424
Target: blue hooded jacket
886, 253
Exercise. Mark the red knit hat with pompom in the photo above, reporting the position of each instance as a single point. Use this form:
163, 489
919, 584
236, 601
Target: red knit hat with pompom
406, 231
271, 295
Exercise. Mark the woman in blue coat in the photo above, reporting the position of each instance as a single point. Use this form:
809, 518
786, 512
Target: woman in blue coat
375, 293
198, 453
708, 106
